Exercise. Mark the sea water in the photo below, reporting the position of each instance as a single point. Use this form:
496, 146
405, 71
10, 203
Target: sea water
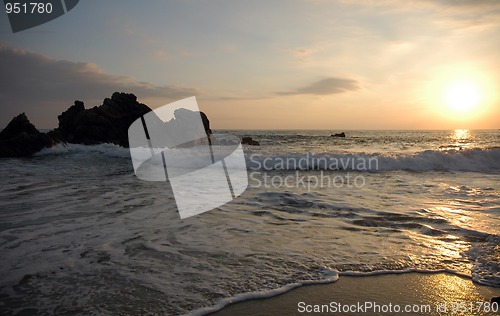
79, 233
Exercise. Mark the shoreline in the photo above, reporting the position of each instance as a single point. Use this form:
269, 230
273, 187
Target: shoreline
441, 291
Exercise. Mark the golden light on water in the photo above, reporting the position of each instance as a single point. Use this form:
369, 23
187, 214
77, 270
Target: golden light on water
451, 294
459, 139
460, 134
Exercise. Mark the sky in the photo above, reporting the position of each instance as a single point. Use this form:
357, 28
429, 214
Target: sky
309, 64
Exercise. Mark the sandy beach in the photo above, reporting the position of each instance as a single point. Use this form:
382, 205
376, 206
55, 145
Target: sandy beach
443, 293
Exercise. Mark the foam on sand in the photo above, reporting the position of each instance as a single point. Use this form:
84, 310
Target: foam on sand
432, 292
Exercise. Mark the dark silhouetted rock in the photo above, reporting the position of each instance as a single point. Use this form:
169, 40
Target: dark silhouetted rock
339, 135
249, 141
107, 123
21, 138
56, 136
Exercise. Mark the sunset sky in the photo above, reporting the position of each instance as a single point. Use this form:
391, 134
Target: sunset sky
311, 64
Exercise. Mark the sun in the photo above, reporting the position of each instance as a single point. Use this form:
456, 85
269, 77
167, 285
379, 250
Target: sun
462, 97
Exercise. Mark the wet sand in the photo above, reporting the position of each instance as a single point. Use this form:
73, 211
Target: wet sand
422, 293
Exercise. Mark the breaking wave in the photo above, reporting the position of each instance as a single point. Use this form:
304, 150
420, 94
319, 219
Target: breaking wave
476, 160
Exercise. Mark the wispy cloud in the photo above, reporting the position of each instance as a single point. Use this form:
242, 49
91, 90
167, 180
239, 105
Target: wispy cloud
304, 55
326, 86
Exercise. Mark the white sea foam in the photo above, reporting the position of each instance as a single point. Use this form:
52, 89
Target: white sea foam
108, 150
486, 258
333, 276
475, 160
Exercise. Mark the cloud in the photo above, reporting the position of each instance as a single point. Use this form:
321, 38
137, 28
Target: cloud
40, 85
478, 3
455, 3
304, 54
326, 86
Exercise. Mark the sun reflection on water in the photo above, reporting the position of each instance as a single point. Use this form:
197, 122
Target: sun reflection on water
461, 134
459, 139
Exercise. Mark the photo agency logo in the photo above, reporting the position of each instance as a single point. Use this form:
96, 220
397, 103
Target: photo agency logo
174, 143
310, 172
24, 15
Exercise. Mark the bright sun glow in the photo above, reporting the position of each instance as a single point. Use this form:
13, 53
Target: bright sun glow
462, 97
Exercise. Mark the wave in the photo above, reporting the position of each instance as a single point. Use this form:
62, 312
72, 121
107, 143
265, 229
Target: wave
107, 150
334, 277
486, 268
331, 276
476, 160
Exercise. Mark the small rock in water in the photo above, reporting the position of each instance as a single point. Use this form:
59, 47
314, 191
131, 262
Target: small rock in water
339, 135
249, 141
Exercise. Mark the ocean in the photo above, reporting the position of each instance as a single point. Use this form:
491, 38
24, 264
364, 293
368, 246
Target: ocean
81, 234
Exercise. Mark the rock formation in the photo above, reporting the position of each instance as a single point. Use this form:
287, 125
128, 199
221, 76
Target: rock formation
20, 138
107, 123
